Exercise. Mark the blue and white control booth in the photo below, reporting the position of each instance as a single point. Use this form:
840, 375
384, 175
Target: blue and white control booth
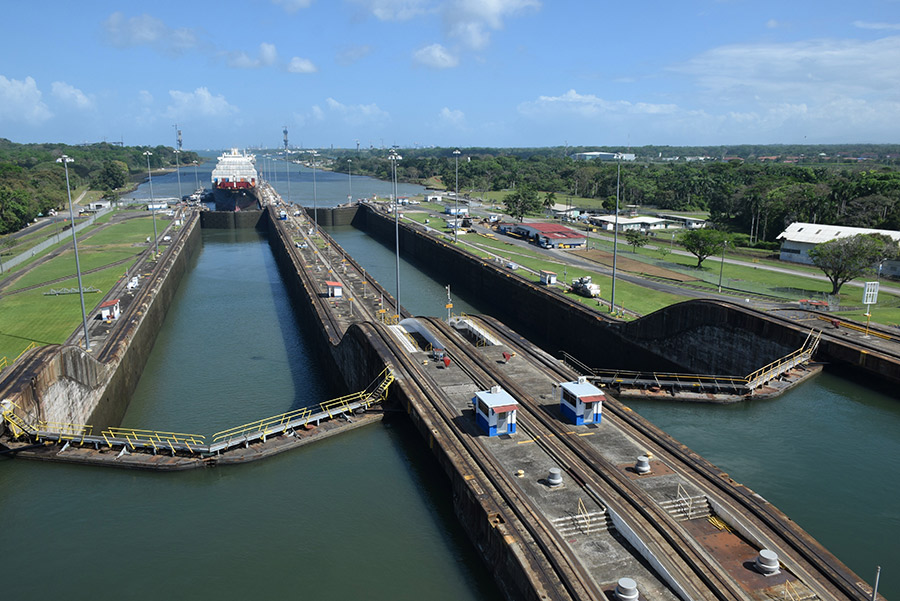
581, 402
495, 411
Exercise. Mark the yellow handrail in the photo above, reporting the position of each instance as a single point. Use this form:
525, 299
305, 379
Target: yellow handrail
135, 437
27, 348
261, 425
4, 363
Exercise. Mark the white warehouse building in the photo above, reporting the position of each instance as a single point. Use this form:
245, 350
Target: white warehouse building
799, 238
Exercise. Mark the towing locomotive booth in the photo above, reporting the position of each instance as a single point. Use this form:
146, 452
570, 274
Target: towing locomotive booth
581, 402
495, 411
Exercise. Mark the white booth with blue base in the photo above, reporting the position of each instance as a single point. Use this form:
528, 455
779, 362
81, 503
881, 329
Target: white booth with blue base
495, 411
581, 402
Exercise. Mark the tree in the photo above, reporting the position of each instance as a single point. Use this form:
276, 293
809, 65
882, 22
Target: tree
521, 202
845, 259
636, 239
549, 201
702, 243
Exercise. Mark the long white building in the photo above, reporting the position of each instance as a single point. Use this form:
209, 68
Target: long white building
799, 238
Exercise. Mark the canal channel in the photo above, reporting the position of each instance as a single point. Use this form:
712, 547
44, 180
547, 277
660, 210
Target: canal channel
366, 514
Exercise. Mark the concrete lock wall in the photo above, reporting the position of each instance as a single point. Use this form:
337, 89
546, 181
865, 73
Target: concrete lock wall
63, 383
699, 336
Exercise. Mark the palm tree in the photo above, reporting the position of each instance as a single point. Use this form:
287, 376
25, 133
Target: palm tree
549, 201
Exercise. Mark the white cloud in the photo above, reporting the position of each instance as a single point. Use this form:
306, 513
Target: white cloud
145, 98
452, 117
472, 20
772, 24
21, 101
266, 56
588, 105
877, 26
359, 114
435, 56
199, 103
797, 72
351, 54
293, 6
301, 65
396, 10
123, 32
71, 96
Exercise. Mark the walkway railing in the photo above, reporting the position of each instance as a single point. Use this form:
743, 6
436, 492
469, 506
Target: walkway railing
702, 382
133, 439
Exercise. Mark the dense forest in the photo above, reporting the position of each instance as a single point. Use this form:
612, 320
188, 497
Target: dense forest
757, 196
32, 182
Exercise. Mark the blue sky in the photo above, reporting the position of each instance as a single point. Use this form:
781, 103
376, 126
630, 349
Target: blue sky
451, 72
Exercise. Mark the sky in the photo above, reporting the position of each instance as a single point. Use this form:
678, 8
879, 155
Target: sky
500, 73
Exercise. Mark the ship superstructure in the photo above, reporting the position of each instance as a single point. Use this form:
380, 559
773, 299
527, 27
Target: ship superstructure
234, 182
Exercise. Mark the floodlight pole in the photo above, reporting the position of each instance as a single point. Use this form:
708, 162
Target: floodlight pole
87, 340
394, 157
148, 154
612, 302
456, 197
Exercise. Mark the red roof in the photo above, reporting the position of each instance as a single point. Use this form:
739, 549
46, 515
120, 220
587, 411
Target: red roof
553, 230
333, 284
109, 303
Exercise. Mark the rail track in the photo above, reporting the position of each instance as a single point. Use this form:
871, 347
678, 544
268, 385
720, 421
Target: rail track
806, 558
700, 577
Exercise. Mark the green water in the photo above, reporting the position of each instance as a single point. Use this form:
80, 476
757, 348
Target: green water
361, 515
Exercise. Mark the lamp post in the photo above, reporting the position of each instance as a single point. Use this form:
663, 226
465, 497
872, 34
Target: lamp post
394, 157
178, 173
722, 264
65, 161
148, 154
315, 196
350, 180
456, 197
287, 173
612, 302
196, 176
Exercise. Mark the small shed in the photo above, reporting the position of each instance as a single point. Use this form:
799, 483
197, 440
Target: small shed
581, 402
548, 277
495, 411
110, 309
335, 289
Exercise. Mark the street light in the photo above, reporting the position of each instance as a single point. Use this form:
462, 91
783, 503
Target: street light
148, 154
350, 180
612, 302
287, 171
456, 197
722, 264
178, 172
196, 176
315, 195
65, 161
394, 157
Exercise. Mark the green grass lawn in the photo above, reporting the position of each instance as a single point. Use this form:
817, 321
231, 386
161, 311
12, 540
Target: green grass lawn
32, 317
631, 296
132, 231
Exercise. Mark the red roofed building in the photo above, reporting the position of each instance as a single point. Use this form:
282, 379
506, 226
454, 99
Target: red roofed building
551, 235
110, 309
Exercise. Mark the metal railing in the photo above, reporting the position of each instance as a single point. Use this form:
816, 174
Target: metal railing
154, 440
706, 381
779, 366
